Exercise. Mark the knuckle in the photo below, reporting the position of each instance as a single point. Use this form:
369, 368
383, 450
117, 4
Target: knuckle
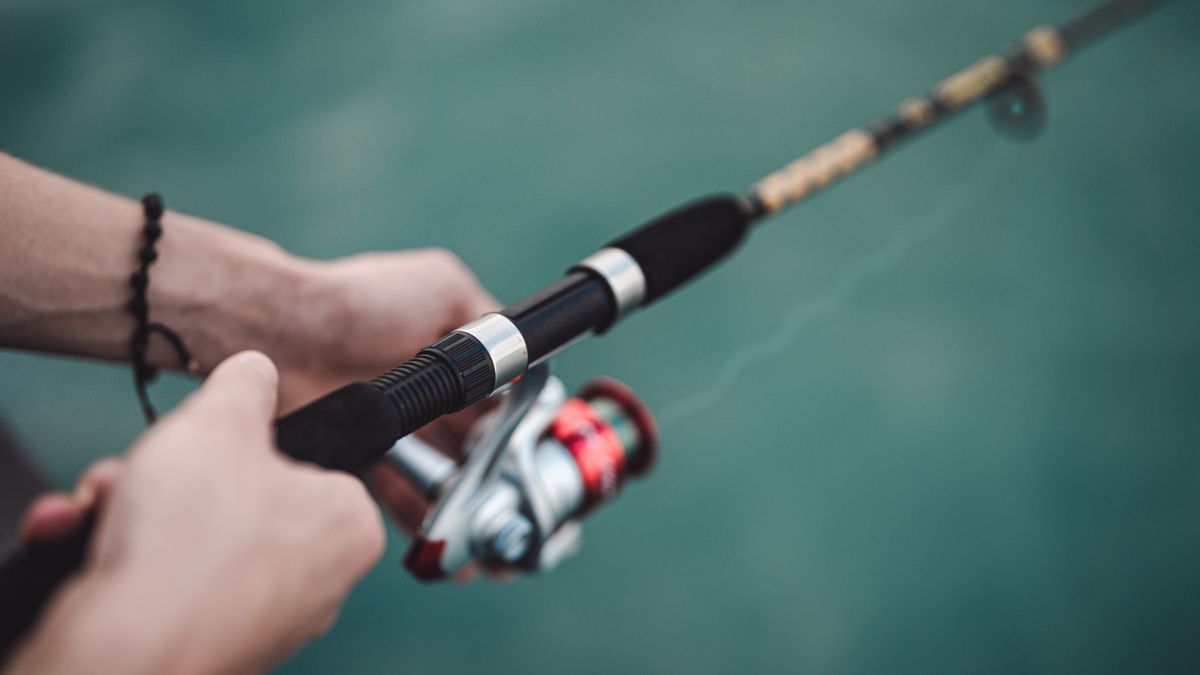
323, 623
463, 292
443, 256
451, 265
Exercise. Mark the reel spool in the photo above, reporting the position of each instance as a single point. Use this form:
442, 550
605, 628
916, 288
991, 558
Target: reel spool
534, 469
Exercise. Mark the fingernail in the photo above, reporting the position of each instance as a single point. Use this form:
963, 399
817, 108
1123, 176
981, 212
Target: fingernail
260, 362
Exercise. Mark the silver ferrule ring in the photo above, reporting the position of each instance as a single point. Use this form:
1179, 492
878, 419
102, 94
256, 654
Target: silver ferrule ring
504, 344
623, 275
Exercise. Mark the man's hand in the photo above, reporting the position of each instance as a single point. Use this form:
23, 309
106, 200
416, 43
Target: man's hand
214, 552
357, 317
67, 250
363, 315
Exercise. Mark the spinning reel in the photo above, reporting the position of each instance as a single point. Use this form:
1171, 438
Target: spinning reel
535, 467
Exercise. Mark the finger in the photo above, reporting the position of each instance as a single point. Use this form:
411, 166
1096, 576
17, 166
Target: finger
437, 436
51, 517
407, 507
243, 390
401, 500
465, 300
501, 575
364, 525
467, 575
449, 432
498, 575
57, 515
97, 482
461, 296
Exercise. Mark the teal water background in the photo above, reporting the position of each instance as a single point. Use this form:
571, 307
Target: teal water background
943, 418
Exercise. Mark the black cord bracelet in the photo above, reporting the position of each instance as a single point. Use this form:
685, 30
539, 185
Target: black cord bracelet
143, 372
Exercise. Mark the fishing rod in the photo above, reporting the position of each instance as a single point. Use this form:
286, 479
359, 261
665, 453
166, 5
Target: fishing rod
357, 424
544, 460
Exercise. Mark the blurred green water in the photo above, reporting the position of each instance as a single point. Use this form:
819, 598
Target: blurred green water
944, 418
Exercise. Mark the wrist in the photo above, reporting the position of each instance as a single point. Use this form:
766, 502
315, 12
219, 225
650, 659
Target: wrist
223, 291
66, 272
67, 254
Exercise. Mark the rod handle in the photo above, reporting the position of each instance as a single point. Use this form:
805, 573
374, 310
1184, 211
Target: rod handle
679, 245
357, 424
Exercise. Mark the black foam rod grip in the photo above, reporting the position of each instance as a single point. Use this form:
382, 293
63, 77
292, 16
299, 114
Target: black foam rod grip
346, 430
357, 424
676, 247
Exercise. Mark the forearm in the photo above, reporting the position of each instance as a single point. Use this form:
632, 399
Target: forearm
66, 254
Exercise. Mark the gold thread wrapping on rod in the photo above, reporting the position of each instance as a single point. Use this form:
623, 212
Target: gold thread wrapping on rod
817, 169
1043, 47
1046, 45
916, 112
973, 82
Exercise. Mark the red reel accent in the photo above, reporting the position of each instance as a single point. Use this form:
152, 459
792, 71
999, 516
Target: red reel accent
637, 410
424, 559
595, 446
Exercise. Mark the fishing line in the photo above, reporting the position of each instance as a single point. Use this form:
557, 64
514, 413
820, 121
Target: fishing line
944, 213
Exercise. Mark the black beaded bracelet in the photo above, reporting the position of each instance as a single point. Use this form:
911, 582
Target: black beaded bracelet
143, 372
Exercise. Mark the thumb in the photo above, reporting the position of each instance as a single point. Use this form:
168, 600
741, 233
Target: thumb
242, 389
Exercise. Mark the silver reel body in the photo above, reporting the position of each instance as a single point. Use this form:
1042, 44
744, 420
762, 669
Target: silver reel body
534, 468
